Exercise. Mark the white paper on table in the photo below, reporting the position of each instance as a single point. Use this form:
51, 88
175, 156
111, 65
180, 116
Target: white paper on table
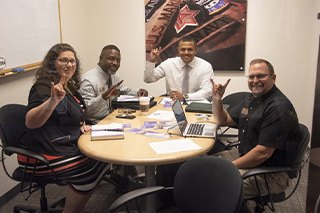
127, 98
154, 134
164, 100
201, 101
179, 145
124, 98
162, 115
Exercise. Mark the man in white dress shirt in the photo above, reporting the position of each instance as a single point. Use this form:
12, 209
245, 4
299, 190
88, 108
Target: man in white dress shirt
198, 86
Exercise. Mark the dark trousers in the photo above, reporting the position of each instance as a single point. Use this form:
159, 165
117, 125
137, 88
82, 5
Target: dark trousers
165, 177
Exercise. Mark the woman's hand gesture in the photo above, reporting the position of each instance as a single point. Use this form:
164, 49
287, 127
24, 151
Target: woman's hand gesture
57, 91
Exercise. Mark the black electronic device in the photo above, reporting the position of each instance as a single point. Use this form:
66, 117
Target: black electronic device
126, 116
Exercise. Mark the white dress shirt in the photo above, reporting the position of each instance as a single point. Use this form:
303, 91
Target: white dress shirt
200, 87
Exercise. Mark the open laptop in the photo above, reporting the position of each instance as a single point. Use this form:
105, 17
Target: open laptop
192, 129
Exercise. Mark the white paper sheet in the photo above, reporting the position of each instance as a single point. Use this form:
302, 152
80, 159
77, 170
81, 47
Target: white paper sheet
129, 98
174, 146
164, 100
154, 134
201, 101
162, 115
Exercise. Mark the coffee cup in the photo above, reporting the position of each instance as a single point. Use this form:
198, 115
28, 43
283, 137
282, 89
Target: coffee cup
144, 103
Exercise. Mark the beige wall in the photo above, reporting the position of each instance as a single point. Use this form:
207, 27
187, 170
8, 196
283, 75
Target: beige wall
284, 32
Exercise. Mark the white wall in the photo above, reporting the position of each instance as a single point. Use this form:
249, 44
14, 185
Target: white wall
288, 38
119, 22
284, 32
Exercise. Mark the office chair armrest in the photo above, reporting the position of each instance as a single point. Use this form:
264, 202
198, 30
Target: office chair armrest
224, 135
232, 144
133, 195
264, 170
27, 152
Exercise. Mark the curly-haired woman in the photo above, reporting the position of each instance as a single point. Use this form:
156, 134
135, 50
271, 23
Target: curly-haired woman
54, 119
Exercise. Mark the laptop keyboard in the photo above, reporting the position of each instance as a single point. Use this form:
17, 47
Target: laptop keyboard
195, 129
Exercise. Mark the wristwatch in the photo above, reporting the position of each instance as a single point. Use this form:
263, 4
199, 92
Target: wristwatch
186, 97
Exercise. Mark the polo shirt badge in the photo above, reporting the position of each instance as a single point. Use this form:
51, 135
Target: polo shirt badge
101, 89
245, 111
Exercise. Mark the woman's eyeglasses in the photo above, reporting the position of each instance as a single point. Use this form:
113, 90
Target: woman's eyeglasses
65, 61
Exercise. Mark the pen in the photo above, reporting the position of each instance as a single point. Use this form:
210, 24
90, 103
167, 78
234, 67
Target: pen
114, 130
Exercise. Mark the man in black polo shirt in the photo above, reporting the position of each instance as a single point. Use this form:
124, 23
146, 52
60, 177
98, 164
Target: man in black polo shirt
267, 123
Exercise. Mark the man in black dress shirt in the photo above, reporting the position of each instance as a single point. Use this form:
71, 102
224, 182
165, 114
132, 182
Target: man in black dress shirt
267, 123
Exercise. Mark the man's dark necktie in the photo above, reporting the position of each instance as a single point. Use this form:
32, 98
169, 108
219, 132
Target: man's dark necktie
109, 83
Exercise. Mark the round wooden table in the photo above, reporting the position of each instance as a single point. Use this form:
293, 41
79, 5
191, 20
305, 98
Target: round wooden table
134, 149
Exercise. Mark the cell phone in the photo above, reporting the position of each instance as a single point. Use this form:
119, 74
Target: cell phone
126, 116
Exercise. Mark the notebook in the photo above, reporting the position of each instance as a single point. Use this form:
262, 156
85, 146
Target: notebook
106, 135
192, 129
202, 107
107, 132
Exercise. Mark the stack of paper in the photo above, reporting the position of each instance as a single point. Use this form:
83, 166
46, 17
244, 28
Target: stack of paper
107, 132
106, 135
108, 127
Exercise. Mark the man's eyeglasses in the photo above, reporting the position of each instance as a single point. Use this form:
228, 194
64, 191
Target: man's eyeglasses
65, 61
126, 111
259, 76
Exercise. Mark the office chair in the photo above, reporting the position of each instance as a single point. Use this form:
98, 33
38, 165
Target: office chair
12, 129
297, 163
202, 184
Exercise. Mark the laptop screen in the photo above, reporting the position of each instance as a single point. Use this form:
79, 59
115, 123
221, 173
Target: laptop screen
180, 115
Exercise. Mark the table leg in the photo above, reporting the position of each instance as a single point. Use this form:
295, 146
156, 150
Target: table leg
150, 181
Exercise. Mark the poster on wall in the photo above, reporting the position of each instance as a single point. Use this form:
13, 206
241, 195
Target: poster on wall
218, 26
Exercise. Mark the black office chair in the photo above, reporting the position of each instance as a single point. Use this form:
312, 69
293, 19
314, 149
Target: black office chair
12, 129
202, 184
298, 161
